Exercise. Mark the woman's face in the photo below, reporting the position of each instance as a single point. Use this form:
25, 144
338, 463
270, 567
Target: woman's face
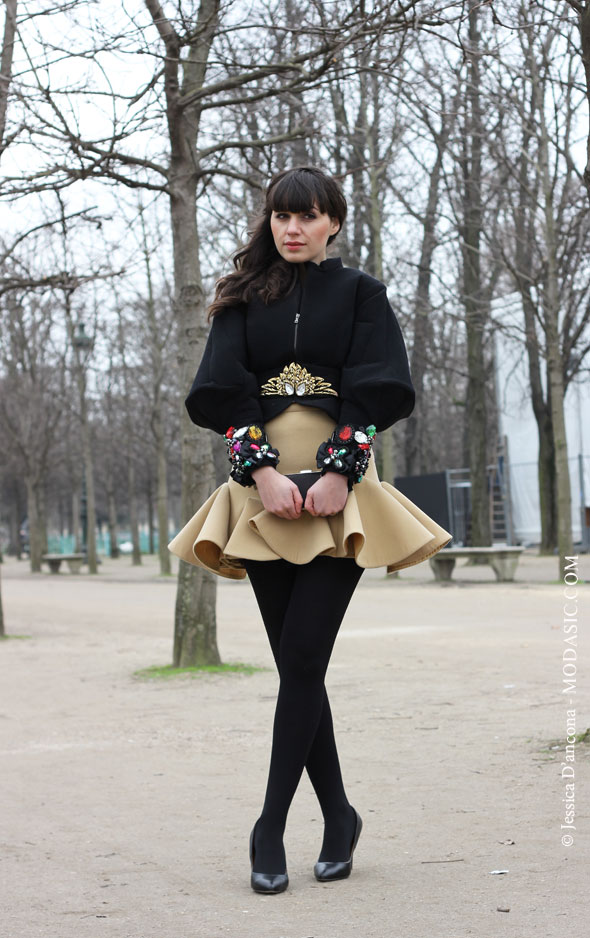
303, 236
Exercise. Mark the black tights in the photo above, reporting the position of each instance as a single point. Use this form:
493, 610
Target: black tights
302, 606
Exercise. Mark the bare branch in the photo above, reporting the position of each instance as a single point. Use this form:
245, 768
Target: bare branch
6, 65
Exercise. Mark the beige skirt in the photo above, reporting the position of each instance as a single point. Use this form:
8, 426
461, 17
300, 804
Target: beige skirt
378, 526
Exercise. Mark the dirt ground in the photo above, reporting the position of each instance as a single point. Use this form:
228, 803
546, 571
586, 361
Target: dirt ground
126, 804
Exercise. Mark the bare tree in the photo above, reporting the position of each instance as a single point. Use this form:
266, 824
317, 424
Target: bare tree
544, 245
422, 355
473, 294
158, 332
551, 306
30, 393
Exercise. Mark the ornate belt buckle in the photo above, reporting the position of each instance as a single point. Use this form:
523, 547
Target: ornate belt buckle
294, 379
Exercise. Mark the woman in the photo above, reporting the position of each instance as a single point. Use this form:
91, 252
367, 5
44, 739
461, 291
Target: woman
304, 364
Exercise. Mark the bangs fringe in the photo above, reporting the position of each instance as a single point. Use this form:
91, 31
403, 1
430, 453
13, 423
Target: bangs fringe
298, 194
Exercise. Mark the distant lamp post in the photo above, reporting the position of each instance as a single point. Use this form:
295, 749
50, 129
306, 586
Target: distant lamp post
83, 342
81, 339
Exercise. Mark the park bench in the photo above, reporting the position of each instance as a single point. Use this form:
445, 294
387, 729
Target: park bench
502, 560
74, 561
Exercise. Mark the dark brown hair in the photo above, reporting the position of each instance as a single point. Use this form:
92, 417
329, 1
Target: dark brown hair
260, 269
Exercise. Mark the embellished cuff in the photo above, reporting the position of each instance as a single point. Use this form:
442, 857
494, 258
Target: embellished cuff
247, 449
347, 451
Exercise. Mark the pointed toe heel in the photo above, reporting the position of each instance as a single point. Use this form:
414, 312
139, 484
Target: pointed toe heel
327, 870
267, 883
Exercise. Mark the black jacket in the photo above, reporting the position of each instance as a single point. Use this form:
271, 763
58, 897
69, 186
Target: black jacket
346, 333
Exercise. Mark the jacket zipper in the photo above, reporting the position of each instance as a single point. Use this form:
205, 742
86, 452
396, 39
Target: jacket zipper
296, 321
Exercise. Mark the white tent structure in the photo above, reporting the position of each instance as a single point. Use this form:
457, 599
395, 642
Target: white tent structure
518, 425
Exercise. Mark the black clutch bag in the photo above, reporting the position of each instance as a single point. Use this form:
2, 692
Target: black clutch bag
304, 480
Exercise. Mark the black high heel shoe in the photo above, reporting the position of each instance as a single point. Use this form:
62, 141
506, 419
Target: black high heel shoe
327, 870
265, 882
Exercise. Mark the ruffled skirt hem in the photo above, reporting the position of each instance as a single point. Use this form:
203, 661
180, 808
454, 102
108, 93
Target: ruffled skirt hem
378, 526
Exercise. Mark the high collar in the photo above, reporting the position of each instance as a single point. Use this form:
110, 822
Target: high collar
331, 263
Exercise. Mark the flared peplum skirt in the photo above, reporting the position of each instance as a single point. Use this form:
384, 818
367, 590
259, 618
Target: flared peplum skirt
378, 526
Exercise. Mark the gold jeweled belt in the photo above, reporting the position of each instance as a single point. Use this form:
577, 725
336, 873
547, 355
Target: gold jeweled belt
295, 379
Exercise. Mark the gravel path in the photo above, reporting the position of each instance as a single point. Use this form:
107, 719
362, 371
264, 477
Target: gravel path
126, 804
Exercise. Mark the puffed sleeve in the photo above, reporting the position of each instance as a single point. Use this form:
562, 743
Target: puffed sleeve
225, 392
375, 385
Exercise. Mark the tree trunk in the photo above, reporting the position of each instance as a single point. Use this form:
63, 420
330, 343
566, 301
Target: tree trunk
195, 629
547, 483
90, 500
76, 529
413, 429
6, 63
542, 412
17, 514
129, 450
79, 359
555, 368
195, 625
150, 515
35, 542
356, 167
583, 13
387, 456
525, 220
162, 506
112, 514
473, 292
133, 516
42, 516
2, 632
376, 171
157, 421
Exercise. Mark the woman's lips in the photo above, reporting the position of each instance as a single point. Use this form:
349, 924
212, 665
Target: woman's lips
294, 244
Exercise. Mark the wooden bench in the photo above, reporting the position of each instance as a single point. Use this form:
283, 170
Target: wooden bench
74, 561
502, 560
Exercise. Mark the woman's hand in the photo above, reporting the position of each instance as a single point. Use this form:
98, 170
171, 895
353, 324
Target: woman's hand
278, 493
328, 495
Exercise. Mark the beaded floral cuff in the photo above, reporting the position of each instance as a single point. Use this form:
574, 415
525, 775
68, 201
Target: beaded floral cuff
247, 449
347, 451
